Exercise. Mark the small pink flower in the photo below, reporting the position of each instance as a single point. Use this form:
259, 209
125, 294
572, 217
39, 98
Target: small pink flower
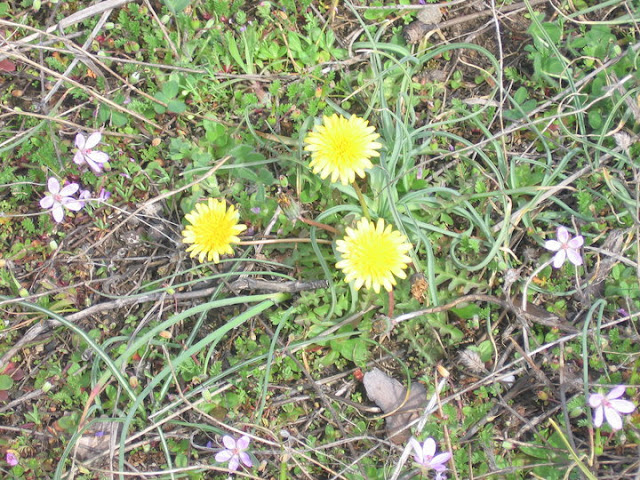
425, 455
235, 452
610, 407
85, 154
565, 247
58, 199
11, 458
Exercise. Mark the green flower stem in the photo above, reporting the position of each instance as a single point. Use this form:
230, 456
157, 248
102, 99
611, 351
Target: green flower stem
585, 470
365, 209
597, 449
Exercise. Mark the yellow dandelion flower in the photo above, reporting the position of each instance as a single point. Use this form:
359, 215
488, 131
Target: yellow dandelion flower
373, 255
342, 148
212, 231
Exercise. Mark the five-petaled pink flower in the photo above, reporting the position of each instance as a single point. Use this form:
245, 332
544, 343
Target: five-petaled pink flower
86, 154
235, 452
11, 458
58, 199
610, 407
565, 247
425, 455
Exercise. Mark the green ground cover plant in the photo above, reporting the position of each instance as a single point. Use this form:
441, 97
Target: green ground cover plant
319, 240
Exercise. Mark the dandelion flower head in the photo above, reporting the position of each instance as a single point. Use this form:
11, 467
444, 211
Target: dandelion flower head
373, 255
342, 148
213, 229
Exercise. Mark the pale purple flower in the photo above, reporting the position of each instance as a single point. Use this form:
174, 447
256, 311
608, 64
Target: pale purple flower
11, 458
610, 407
104, 195
565, 247
83, 196
425, 455
235, 452
85, 154
58, 199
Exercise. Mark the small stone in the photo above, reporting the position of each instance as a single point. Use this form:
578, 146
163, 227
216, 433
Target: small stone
430, 14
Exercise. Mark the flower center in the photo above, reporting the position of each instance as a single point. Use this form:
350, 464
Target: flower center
374, 254
344, 149
214, 230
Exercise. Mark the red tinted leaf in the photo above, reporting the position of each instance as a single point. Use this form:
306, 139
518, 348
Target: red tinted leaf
7, 65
